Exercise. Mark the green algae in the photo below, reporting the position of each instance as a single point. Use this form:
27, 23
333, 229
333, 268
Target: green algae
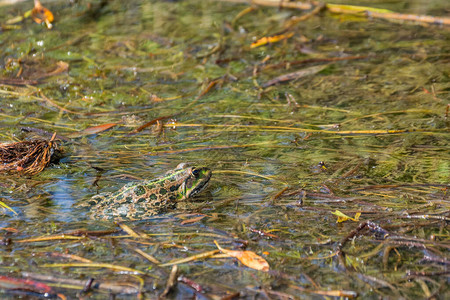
130, 63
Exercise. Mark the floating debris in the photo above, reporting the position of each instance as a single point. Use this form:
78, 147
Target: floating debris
27, 157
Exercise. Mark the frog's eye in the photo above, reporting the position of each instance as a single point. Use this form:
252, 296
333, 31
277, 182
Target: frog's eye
195, 172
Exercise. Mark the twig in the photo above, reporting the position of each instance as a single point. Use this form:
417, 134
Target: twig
295, 20
371, 225
18, 81
114, 287
170, 282
348, 9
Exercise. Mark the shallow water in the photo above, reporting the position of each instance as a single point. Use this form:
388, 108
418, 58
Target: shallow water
367, 134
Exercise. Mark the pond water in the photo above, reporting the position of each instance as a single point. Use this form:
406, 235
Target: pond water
365, 132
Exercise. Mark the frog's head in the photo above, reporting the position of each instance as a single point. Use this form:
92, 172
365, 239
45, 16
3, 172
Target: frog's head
195, 182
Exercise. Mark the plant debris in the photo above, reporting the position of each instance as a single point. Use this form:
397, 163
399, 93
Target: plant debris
40, 14
27, 157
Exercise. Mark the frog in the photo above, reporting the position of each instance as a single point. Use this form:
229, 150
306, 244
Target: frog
143, 199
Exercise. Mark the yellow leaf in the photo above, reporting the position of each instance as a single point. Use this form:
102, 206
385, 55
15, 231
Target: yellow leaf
247, 258
271, 39
7, 207
357, 9
343, 217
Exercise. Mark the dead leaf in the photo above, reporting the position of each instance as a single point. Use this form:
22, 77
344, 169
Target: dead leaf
92, 130
247, 258
343, 217
271, 39
40, 14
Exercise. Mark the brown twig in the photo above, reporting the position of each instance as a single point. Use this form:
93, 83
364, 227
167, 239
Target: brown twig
170, 282
18, 81
148, 124
369, 224
114, 287
348, 9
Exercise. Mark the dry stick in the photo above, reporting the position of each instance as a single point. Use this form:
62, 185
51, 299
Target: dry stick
242, 13
371, 225
147, 256
348, 9
154, 121
111, 286
426, 217
170, 282
402, 17
276, 3
18, 81
112, 267
78, 232
295, 20
196, 286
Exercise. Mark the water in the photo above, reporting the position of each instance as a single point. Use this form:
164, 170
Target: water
366, 135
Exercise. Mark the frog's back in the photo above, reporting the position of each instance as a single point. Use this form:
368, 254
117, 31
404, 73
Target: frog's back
136, 200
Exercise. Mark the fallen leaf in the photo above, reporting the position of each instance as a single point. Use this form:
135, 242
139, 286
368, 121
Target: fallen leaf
247, 258
271, 39
343, 217
40, 14
92, 130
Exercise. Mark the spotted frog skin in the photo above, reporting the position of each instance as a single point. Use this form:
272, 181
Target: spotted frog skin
138, 200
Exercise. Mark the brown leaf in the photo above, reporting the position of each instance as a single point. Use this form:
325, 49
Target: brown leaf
247, 258
40, 14
92, 130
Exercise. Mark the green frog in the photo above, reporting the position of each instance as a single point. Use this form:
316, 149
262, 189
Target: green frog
138, 200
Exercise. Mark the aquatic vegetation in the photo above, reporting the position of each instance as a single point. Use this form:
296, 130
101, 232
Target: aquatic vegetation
327, 135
